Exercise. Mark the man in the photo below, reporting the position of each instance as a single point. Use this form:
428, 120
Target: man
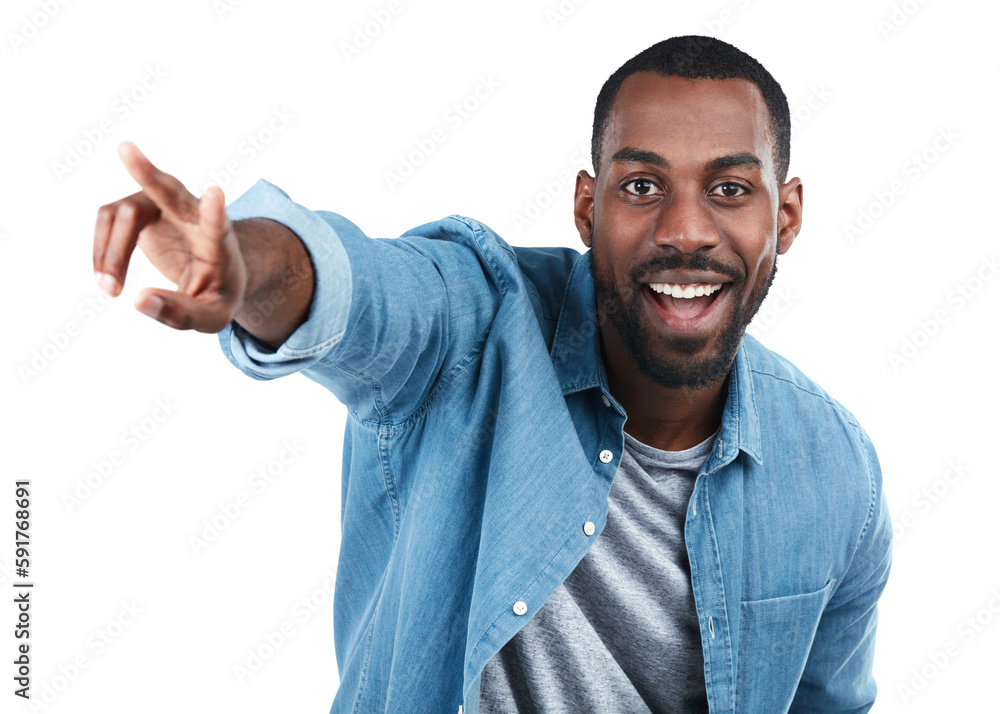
570, 482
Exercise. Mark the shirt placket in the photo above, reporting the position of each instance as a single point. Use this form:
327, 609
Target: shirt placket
707, 580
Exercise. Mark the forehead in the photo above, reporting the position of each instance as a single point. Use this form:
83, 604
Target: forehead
689, 120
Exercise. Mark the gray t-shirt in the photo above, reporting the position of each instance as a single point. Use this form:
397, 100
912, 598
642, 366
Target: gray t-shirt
620, 634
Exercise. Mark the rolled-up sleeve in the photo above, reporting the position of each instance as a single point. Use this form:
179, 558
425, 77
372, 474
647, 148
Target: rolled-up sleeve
331, 303
388, 315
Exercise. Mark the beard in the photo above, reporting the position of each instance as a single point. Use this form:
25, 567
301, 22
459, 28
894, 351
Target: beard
690, 363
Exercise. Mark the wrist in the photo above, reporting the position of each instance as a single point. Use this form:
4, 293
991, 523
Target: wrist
279, 280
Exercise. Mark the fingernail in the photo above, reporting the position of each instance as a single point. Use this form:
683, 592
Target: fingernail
151, 306
107, 283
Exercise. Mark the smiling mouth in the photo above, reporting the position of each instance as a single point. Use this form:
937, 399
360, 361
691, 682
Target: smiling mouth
682, 303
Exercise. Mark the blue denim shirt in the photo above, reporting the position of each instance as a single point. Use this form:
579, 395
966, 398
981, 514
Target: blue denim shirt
481, 437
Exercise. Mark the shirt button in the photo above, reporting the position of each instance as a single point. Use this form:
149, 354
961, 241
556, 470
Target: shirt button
606, 456
588, 528
520, 608
605, 399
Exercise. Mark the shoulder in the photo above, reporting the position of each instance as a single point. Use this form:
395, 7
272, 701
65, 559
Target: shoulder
536, 264
812, 440
537, 274
795, 408
778, 378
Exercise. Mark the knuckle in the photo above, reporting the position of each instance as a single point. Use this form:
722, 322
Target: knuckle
112, 262
173, 183
105, 213
126, 211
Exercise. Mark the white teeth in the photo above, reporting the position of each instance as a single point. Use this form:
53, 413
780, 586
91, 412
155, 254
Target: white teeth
685, 290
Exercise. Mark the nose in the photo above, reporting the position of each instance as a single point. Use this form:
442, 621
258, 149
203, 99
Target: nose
685, 223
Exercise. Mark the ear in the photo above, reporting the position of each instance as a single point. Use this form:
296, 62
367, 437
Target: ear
789, 213
583, 205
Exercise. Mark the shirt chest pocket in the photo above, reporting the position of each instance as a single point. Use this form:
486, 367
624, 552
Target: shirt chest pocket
776, 636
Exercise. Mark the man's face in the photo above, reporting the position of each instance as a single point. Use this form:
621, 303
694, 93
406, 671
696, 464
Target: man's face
686, 200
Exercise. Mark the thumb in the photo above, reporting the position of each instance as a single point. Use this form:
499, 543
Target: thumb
182, 312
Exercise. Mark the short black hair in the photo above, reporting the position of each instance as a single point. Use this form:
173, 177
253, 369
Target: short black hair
700, 57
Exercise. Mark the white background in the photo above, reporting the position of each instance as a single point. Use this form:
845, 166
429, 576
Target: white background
871, 84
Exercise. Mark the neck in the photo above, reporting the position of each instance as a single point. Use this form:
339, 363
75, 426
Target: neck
664, 418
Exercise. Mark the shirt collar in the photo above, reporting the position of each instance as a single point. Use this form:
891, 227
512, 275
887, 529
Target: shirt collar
576, 358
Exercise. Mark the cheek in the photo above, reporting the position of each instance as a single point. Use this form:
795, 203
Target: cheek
626, 241
761, 269
757, 248
761, 258
611, 254
623, 223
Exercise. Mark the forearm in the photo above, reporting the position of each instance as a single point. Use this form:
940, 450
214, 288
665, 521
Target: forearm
280, 280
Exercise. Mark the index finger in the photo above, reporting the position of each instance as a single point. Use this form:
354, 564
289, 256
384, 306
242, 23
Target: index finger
164, 190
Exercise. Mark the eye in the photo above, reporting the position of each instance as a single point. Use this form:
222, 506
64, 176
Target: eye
729, 190
643, 187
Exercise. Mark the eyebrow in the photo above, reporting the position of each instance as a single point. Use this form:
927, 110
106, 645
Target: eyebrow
630, 154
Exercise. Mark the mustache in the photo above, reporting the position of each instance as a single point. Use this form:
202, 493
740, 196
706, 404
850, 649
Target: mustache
695, 261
